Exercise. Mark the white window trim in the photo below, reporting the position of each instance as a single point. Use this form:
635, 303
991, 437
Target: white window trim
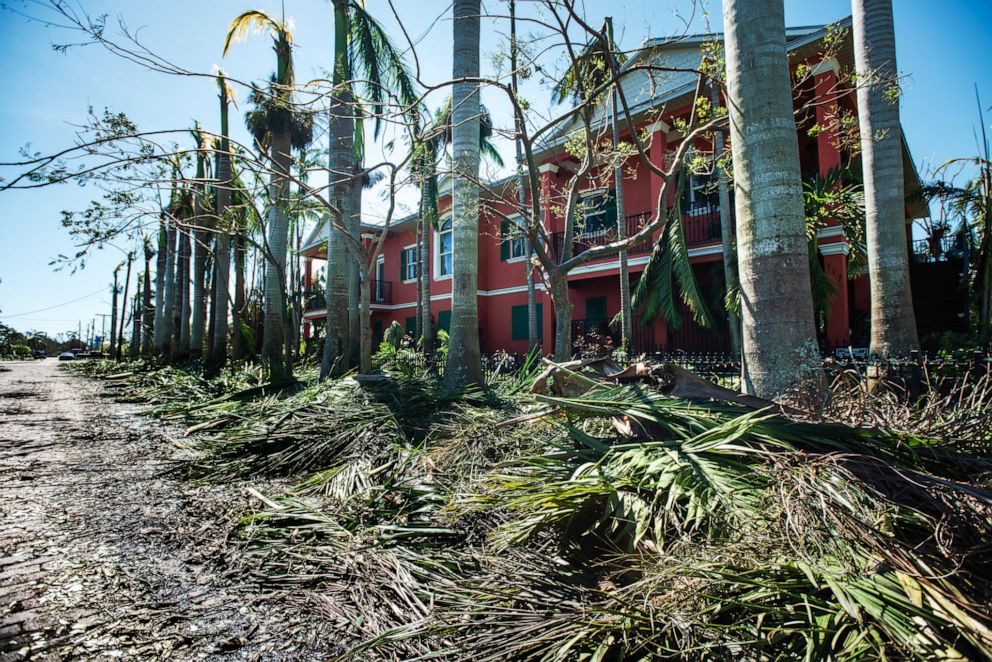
406, 248
590, 193
436, 250
515, 220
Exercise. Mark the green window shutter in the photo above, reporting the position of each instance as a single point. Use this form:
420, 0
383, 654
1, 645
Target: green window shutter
402, 264
595, 310
411, 325
504, 241
611, 208
376, 334
444, 320
518, 322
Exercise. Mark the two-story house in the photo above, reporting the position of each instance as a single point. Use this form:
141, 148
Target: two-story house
656, 98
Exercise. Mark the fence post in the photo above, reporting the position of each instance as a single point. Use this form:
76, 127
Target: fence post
916, 374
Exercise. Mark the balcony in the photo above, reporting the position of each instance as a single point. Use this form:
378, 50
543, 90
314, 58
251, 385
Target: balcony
382, 292
701, 223
583, 242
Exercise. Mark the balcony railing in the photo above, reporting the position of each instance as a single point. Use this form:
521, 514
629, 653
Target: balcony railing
314, 300
382, 292
583, 242
938, 249
701, 223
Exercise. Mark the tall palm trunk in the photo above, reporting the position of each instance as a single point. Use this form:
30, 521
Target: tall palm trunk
159, 331
169, 292
238, 312
626, 315
464, 364
893, 326
563, 317
277, 238
120, 331
222, 256
183, 295
137, 313
147, 309
428, 215
780, 349
337, 348
354, 291
726, 234
201, 242
112, 349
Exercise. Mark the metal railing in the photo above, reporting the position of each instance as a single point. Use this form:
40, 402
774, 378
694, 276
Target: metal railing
938, 249
314, 300
701, 223
382, 291
586, 240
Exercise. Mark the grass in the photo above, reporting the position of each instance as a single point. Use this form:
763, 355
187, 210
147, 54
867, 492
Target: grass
620, 524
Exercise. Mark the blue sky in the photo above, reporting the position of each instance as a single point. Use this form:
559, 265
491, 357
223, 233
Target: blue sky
942, 51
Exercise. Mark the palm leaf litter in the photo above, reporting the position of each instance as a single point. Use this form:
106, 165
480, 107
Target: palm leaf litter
583, 512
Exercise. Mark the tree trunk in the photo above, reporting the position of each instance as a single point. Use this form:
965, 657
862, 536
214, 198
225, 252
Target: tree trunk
159, 331
222, 258
199, 317
147, 309
780, 350
563, 317
238, 312
626, 315
341, 161
137, 314
893, 325
354, 291
726, 234
169, 294
183, 298
464, 362
428, 212
127, 286
112, 349
365, 328
277, 237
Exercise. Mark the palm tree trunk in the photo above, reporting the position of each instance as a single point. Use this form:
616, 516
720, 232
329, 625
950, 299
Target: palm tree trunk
238, 312
365, 330
159, 331
137, 314
726, 234
169, 293
428, 213
277, 238
893, 325
199, 317
340, 165
464, 362
112, 349
127, 286
626, 315
354, 293
222, 258
779, 347
183, 298
147, 309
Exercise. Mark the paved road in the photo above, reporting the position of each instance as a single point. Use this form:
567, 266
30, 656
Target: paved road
106, 552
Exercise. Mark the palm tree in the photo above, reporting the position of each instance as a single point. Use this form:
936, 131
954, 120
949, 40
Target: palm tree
779, 346
893, 326
222, 256
464, 362
147, 309
201, 235
277, 129
360, 45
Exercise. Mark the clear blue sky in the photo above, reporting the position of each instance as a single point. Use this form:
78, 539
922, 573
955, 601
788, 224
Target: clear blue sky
942, 49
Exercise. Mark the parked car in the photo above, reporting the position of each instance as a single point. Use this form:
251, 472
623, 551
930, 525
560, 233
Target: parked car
40, 354
67, 356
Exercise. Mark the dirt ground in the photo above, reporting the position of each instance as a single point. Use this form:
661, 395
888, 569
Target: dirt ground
106, 552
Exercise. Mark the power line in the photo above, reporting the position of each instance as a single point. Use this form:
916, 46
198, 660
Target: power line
41, 310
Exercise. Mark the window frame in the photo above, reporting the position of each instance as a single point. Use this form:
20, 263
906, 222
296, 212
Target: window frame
518, 241
603, 194
438, 255
405, 261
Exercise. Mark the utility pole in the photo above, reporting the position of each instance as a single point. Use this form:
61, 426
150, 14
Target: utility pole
103, 326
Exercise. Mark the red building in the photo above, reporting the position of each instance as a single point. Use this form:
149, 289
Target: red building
657, 100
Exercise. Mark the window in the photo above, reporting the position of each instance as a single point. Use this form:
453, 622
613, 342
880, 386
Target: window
408, 263
512, 245
599, 212
411, 325
444, 320
518, 322
379, 286
443, 248
702, 194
